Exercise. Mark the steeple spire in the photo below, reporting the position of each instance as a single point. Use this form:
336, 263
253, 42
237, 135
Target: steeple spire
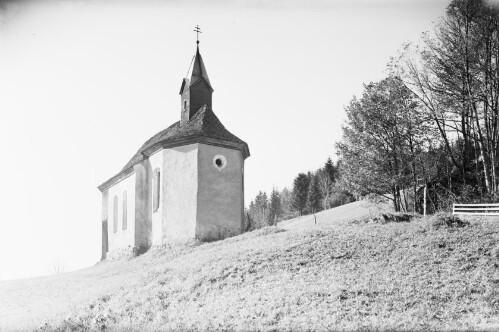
196, 88
198, 70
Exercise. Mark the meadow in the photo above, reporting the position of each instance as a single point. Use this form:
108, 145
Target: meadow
353, 270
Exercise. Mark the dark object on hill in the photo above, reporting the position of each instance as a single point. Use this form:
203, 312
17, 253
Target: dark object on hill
384, 218
495, 254
447, 220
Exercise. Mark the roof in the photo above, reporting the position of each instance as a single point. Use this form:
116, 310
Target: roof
203, 127
197, 72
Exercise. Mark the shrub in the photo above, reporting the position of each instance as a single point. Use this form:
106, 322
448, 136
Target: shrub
384, 218
447, 220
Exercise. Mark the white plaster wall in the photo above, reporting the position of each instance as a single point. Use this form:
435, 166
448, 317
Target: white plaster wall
104, 205
143, 231
122, 238
105, 236
180, 192
220, 194
156, 161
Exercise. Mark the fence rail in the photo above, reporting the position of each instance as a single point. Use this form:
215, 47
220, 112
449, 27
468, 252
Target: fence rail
491, 209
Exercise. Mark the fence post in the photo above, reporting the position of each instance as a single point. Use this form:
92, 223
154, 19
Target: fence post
424, 203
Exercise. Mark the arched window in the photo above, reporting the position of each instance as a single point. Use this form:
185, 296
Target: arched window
123, 226
115, 214
156, 188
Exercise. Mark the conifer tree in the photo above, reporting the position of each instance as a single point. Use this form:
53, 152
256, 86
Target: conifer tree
330, 169
314, 195
300, 193
261, 204
275, 208
285, 195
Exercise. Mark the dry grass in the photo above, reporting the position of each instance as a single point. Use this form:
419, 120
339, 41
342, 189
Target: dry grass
419, 275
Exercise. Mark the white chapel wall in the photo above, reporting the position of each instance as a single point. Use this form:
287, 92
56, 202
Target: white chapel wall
143, 231
156, 216
122, 238
180, 192
221, 193
198, 199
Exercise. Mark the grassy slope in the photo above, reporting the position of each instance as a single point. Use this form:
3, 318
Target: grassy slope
335, 275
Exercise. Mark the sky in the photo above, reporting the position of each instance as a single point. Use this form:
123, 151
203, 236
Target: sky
83, 84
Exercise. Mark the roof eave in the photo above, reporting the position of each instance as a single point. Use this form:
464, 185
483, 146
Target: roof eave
118, 177
241, 146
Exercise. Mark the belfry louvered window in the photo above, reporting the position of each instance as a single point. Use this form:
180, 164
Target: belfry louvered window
156, 189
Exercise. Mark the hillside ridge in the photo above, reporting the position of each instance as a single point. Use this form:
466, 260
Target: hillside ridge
339, 274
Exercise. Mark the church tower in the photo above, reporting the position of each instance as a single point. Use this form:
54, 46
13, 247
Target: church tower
196, 89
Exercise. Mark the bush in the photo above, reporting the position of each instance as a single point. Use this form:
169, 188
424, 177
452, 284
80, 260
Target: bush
384, 218
447, 220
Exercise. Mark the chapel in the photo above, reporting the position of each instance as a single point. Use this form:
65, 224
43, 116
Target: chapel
186, 182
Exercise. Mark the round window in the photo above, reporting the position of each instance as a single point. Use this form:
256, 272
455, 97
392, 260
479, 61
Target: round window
219, 162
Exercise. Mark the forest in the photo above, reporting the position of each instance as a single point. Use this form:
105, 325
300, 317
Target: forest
431, 125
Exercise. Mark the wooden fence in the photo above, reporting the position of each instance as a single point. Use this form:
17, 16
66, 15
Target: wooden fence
491, 209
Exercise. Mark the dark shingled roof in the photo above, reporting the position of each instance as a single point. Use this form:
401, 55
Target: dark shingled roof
203, 127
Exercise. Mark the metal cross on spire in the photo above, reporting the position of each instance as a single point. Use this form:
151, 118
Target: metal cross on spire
197, 30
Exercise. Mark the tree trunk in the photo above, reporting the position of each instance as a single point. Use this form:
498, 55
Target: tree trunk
396, 199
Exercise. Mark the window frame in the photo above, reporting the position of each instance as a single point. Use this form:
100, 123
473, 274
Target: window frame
223, 161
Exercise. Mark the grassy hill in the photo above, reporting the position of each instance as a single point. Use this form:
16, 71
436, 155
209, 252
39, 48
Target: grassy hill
342, 274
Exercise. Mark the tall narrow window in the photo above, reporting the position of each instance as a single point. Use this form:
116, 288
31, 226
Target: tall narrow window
156, 190
185, 104
123, 225
115, 214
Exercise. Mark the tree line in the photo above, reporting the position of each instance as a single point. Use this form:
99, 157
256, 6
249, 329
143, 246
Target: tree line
311, 192
431, 125
433, 122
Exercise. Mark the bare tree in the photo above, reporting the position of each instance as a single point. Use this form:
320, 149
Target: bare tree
455, 74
